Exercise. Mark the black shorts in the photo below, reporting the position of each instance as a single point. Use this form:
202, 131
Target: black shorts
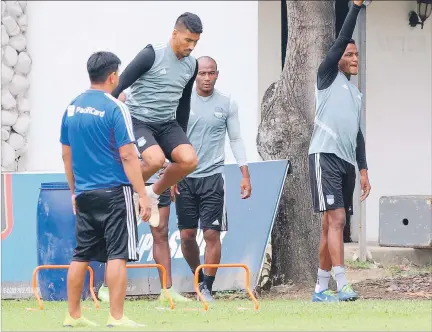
168, 135
202, 200
332, 182
165, 199
106, 225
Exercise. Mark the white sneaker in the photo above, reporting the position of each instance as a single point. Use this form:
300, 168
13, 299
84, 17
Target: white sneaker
154, 219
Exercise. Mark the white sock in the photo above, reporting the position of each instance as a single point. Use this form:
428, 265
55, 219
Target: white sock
339, 272
151, 193
322, 281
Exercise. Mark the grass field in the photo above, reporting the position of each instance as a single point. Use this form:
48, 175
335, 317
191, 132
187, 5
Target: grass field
363, 315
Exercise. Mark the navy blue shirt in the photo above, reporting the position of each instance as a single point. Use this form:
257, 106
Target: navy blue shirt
95, 125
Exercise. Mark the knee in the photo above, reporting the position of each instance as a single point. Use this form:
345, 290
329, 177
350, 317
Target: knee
154, 161
211, 237
336, 219
160, 234
187, 236
188, 161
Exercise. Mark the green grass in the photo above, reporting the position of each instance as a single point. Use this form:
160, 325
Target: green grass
357, 265
362, 315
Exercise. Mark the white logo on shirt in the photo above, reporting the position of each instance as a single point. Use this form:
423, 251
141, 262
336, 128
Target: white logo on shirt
345, 86
163, 71
71, 110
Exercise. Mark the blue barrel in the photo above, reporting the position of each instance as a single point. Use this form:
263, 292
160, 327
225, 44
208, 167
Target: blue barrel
56, 242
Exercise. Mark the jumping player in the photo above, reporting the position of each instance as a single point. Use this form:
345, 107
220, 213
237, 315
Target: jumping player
161, 78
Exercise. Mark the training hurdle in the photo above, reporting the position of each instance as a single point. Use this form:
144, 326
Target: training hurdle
44, 267
244, 266
164, 277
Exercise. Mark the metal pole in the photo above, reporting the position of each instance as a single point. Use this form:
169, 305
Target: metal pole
362, 77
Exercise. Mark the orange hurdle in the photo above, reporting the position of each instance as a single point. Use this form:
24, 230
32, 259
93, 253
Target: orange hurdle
40, 267
164, 277
224, 265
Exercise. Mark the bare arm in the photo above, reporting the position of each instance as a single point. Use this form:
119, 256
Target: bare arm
132, 168
67, 161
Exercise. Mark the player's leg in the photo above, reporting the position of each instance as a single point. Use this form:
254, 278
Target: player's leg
89, 244
121, 236
177, 148
318, 183
212, 215
345, 290
187, 209
153, 159
161, 248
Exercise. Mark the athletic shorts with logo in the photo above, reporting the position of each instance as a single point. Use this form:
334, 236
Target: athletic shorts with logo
106, 226
332, 181
202, 203
168, 135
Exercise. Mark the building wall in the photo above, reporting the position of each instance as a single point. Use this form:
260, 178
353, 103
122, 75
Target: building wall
64, 34
398, 106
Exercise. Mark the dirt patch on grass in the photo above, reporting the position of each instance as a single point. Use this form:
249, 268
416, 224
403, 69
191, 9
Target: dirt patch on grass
371, 282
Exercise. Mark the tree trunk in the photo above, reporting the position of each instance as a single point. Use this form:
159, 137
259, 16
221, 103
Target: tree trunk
285, 130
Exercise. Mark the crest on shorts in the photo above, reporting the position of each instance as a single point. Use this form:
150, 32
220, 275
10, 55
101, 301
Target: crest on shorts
330, 199
141, 141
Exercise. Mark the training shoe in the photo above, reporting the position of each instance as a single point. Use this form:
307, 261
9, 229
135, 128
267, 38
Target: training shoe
79, 322
205, 292
123, 322
154, 218
347, 293
325, 296
103, 294
176, 297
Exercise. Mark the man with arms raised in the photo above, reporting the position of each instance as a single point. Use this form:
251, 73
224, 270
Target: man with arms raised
101, 163
337, 144
161, 78
201, 195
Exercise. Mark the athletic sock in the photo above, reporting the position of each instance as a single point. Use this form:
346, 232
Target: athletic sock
151, 193
208, 281
322, 281
200, 275
340, 278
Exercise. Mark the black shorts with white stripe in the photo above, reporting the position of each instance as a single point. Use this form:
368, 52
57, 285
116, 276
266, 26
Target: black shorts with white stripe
202, 200
332, 182
106, 226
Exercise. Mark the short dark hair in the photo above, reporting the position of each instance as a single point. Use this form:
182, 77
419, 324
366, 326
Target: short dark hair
208, 58
352, 41
100, 65
189, 21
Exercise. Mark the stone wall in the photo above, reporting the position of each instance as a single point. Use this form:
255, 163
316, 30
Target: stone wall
15, 105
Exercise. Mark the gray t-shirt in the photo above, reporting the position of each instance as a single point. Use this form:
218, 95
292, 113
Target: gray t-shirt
211, 118
154, 97
337, 119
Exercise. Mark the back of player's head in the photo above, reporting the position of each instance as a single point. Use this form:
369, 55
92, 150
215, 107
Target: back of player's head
102, 64
189, 21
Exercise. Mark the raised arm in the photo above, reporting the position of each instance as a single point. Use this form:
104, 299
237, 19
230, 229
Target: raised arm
183, 108
142, 63
328, 69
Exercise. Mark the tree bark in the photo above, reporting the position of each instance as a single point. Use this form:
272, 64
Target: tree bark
285, 130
